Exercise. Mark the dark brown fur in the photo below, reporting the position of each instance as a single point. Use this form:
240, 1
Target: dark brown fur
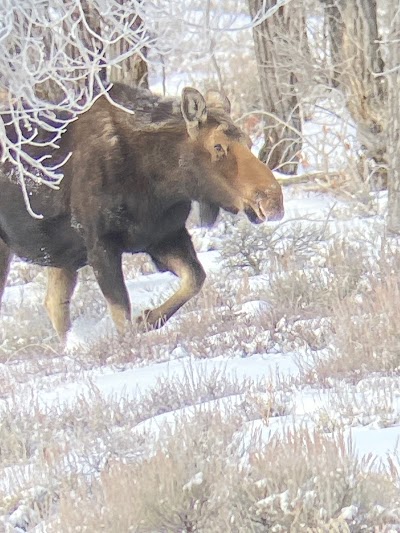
128, 187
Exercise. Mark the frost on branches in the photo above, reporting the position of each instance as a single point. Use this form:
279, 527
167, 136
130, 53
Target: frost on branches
55, 58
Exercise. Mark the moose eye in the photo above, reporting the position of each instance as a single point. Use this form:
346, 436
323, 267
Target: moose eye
218, 148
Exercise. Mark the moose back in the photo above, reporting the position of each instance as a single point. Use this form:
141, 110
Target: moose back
128, 186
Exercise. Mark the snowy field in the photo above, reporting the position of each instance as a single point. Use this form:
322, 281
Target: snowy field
268, 403
271, 402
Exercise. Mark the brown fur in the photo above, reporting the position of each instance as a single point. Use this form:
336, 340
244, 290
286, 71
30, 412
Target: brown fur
128, 187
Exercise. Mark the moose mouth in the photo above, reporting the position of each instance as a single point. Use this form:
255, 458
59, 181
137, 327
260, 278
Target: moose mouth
261, 210
255, 217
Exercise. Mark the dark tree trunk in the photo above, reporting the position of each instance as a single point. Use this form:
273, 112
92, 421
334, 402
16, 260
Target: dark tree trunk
393, 79
278, 73
335, 29
356, 64
132, 70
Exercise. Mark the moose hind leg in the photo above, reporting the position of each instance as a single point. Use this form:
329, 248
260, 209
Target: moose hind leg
179, 257
5, 259
61, 283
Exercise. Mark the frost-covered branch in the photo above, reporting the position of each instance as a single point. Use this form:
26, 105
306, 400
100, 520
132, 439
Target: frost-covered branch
54, 57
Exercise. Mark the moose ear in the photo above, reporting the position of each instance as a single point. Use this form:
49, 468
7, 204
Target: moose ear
194, 110
215, 99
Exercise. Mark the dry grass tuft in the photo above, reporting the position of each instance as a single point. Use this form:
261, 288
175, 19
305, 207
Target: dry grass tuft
173, 490
260, 250
197, 480
365, 337
371, 403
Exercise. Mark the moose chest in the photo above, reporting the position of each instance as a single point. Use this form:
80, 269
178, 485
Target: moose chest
135, 228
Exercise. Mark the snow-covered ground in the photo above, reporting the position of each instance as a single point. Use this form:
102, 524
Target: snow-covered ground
227, 352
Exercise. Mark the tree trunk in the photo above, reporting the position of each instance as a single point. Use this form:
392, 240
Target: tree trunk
356, 61
50, 90
393, 79
334, 24
279, 75
132, 70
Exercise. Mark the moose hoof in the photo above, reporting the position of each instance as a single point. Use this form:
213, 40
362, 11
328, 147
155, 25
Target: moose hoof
149, 320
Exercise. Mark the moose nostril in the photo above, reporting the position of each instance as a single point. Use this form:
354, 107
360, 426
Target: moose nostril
261, 197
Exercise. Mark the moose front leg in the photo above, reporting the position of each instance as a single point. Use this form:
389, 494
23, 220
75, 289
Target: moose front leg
177, 255
61, 283
107, 266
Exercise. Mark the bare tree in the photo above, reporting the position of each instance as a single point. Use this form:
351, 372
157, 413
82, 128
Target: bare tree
133, 69
365, 51
53, 62
357, 68
392, 46
280, 42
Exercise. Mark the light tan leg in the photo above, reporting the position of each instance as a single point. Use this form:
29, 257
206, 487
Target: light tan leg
178, 256
120, 316
61, 283
5, 259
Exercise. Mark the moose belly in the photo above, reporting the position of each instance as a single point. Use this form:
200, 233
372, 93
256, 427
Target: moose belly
49, 242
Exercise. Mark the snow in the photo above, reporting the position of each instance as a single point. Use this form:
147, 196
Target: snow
371, 436
138, 380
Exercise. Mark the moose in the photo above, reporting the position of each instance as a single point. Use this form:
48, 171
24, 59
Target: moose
128, 187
